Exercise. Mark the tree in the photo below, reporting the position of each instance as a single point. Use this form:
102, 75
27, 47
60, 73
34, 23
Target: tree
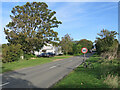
66, 44
86, 43
106, 44
77, 48
32, 26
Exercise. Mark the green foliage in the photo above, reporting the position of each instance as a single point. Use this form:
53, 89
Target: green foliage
31, 26
106, 42
74, 47
66, 44
11, 52
86, 43
77, 49
28, 56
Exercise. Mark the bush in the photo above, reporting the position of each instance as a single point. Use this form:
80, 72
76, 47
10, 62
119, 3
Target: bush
11, 52
28, 56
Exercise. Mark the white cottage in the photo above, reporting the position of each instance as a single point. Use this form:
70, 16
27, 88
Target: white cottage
49, 48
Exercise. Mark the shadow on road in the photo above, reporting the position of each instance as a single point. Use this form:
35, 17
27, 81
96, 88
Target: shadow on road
14, 80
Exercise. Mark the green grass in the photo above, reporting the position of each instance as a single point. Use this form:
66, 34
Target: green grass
99, 77
27, 63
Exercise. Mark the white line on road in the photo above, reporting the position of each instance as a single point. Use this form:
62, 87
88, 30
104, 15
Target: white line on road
4, 84
52, 67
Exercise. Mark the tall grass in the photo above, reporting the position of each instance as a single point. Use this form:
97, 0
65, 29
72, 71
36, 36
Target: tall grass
112, 81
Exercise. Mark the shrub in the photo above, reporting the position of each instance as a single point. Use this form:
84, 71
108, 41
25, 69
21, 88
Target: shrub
28, 56
11, 52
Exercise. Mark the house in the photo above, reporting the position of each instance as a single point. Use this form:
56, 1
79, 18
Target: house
49, 48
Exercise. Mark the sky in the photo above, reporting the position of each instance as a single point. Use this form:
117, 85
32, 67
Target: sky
82, 20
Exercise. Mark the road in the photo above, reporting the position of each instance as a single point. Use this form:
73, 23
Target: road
41, 76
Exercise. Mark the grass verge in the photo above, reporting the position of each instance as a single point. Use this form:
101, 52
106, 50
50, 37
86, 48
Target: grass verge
104, 75
28, 63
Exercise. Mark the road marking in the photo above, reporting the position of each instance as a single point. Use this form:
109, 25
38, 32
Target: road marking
4, 84
52, 67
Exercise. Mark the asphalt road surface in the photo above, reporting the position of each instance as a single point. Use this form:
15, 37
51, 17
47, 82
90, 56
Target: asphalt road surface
41, 76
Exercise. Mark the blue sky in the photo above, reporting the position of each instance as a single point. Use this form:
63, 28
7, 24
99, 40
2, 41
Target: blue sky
82, 20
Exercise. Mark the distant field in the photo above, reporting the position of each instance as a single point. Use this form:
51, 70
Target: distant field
104, 75
28, 63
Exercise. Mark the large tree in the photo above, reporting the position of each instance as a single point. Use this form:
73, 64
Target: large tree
32, 26
86, 43
66, 44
